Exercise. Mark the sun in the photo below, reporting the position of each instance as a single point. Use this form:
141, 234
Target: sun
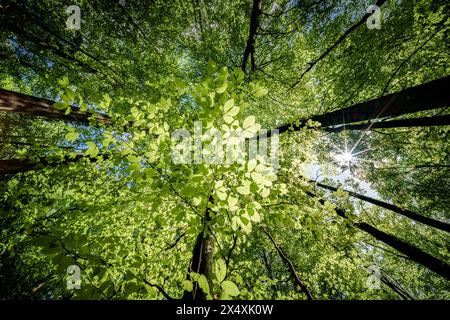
345, 158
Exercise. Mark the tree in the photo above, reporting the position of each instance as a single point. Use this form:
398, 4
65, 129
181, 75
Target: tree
24, 104
407, 213
115, 140
427, 96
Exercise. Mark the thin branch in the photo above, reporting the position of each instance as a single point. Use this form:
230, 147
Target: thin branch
288, 262
176, 242
379, 3
227, 262
407, 59
159, 289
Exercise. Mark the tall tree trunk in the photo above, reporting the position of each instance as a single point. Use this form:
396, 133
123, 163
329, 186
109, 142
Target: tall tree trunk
427, 96
291, 267
402, 123
415, 254
405, 212
254, 24
14, 166
24, 104
202, 261
412, 252
395, 288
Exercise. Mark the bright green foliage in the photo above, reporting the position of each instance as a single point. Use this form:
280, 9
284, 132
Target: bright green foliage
128, 215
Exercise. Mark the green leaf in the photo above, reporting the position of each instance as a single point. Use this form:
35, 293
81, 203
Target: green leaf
180, 85
131, 287
187, 285
218, 184
222, 88
92, 150
233, 111
43, 241
228, 119
230, 288
232, 201
255, 217
203, 284
52, 248
189, 190
244, 190
194, 276
151, 291
260, 91
108, 138
70, 94
228, 105
248, 122
60, 106
72, 136
221, 194
221, 270
64, 82
257, 177
212, 67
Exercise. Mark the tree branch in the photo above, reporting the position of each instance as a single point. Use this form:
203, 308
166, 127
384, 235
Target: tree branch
288, 262
379, 3
159, 289
250, 47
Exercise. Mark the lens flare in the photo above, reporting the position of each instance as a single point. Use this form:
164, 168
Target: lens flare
345, 158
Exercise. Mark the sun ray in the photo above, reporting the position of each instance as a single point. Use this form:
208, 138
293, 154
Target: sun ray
359, 152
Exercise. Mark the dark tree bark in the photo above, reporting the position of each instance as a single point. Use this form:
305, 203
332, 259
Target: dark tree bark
28, 105
202, 261
14, 166
405, 212
414, 253
402, 123
427, 96
254, 24
404, 295
289, 264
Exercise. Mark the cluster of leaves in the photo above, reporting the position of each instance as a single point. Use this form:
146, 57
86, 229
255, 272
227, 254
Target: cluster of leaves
128, 215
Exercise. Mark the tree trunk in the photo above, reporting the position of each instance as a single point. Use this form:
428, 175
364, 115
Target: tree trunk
254, 24
396, 289
402, 123
427, 96
405, 212
202, 261
415, 254
24, 104
14, 166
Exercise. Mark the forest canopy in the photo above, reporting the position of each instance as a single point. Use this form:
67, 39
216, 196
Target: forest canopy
241, 149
